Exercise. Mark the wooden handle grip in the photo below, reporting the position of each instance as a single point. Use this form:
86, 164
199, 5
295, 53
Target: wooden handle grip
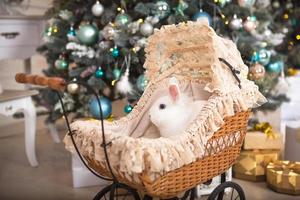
55, 83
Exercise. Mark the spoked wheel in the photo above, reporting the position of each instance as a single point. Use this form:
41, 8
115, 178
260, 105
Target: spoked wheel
227, 190
117, 191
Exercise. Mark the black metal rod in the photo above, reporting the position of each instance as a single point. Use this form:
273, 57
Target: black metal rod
234, 71
73, 141
104, 145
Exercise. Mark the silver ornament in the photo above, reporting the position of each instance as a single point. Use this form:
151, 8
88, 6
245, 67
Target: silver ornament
73, 88
108, 32
262, 3
146, 29
97, 9
236, 23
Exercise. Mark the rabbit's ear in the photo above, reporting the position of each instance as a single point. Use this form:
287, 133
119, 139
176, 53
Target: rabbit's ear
174, 89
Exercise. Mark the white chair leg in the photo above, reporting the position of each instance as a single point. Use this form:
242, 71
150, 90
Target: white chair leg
53, 132
30, 131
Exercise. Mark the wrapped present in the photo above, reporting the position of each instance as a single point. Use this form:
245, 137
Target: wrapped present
284, 177
260, 140
251, 165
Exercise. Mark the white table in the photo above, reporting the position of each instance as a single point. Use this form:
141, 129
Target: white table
12, 101
19, 38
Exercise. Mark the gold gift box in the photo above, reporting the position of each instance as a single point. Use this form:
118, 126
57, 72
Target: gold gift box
251, 165
260, 140
284, 177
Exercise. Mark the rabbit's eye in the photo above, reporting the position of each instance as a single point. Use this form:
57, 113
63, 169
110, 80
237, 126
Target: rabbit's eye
162, 106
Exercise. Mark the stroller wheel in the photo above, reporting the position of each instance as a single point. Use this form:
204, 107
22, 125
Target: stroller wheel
117, 191
227, 190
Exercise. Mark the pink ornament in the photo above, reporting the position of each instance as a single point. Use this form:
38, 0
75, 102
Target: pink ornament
246, 3
249, 24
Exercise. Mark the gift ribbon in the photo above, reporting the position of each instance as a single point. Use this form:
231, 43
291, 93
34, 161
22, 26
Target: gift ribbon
266, 128
286, 172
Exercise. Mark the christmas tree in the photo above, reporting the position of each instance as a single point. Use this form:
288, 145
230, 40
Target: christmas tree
102, 44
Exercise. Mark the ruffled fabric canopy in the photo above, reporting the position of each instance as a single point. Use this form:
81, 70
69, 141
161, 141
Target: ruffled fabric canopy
193, 49
191, 53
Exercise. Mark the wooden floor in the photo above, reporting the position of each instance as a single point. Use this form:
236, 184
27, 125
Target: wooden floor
52, 179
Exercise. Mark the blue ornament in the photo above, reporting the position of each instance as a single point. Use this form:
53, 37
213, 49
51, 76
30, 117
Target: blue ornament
71, 32
105, 106
99, 73
122, 20
264, 56
61, 64
162, 9
115, 52
255, 57
117, 73
128, 108
88, 34
141, 83
202, 15
275, 67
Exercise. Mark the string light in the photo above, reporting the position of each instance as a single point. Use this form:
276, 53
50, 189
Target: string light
298, 37
286, 16
133, 49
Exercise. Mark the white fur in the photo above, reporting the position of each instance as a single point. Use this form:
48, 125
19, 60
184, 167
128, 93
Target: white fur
176, 116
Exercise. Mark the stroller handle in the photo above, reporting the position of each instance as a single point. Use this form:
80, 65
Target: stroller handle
54, 83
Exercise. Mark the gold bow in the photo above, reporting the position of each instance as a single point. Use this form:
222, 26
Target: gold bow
285, 171
266, 128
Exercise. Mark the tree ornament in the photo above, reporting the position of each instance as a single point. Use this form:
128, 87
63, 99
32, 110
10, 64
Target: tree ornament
115, 52
264, 56
250, 23
108, 32
73, 88
262, 3
116, 73
122, 19
105, 106
71, 33
256, 71
275, 66
222, 3
141, 83
99, 73
128, 108
61, 64
201, 15
181, 7
246, 3
255, 57
123, 85
146, 29
97, 9
276, 4
236, 23
162, 9
65, 15
87, 34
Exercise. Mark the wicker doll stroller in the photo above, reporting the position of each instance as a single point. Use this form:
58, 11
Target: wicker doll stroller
161, 167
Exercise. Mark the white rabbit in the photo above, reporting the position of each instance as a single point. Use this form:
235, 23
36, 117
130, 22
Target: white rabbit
173, 113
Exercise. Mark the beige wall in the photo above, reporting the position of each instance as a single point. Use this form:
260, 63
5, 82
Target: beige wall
8, 68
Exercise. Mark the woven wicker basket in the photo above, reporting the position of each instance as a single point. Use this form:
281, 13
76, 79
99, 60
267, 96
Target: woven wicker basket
221, 151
